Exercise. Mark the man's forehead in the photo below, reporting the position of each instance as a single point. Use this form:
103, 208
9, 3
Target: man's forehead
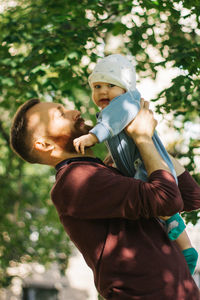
43, 106
38, 115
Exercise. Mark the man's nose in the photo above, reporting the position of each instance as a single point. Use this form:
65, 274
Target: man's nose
72, 114
76, 114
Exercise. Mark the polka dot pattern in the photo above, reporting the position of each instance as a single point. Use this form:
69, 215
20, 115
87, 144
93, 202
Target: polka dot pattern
115, 69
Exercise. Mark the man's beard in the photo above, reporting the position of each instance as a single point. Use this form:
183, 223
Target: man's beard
78, 131
65, 141
81, 130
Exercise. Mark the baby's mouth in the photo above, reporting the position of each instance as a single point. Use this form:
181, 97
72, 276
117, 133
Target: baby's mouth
106, 100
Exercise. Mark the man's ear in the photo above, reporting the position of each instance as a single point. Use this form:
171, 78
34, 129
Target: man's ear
44, 145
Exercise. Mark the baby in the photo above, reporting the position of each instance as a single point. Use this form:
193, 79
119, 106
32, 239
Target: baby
113, 84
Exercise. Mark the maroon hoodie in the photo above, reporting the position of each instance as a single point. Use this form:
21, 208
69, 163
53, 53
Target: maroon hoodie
112, 220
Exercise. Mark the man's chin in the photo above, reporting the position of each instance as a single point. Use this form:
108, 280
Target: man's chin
81, 129
87, 128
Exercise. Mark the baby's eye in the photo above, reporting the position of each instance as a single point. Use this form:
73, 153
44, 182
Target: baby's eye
97, 86
111, 85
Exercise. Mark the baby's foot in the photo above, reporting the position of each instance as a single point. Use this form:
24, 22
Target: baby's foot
175, 226
191, 256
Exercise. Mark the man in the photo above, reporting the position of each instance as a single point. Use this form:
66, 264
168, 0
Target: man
112, 219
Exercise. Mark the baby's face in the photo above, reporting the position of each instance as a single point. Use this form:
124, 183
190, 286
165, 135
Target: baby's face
103, 93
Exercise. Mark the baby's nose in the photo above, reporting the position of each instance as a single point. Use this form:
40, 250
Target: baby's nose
104, 89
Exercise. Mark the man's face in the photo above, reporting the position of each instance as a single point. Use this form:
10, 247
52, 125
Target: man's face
54, 121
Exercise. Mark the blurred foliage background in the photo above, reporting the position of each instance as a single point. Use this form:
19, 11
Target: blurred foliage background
47, 50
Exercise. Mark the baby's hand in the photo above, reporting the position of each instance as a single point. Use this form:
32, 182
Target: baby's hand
83, 141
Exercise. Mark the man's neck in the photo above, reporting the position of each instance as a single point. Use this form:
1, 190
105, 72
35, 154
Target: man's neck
68, 155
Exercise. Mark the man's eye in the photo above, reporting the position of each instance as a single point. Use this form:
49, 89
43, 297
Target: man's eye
60, 113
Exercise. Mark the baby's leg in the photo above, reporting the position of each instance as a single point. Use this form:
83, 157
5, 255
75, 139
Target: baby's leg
176, 231
188, 251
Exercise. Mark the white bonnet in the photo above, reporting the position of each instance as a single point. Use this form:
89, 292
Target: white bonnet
115, 69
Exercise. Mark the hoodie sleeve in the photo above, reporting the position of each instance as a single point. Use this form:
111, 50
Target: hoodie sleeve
91, 191
190, 191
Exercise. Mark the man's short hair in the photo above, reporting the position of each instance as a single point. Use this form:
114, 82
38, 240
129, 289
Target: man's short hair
20, 136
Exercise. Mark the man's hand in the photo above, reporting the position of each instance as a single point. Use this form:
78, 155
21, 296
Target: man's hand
144, 124
83, 141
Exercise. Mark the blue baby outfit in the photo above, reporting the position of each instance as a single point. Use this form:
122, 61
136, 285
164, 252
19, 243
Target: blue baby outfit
111, 122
